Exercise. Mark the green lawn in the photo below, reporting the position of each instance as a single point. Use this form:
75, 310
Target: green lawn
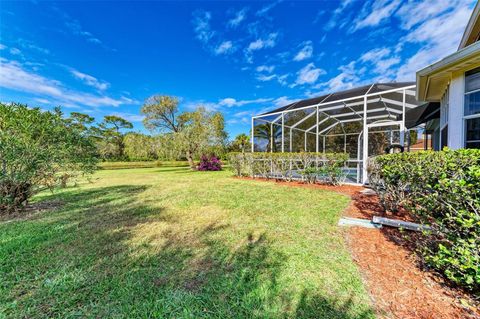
171, 243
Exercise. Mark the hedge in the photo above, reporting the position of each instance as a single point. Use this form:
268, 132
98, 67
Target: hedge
143, 164
441, 189
309, 167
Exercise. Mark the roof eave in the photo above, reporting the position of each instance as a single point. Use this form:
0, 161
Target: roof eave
423, 76
471, 25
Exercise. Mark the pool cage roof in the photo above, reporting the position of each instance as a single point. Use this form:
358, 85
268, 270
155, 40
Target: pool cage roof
371, 107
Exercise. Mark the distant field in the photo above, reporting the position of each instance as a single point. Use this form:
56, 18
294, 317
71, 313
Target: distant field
175, 243
146, 164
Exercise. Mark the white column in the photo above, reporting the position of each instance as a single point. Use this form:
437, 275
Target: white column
283, 132
252, 137
305, 148
456, 100
316, 135
402, 128
365, 142
290, 140
271, 138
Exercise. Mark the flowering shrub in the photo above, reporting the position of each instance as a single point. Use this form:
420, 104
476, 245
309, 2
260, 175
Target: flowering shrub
441, 189
209, 163
310, 167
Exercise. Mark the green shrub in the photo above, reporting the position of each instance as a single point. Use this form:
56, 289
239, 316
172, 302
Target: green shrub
326, 168
38, 150
309, 175
441, 189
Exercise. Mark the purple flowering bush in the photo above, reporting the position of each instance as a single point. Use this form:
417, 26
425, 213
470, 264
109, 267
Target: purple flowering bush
209, 163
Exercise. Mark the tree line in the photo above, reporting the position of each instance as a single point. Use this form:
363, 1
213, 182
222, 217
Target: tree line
175, 135
45, 149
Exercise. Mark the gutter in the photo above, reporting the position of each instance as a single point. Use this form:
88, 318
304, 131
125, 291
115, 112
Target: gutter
470, 51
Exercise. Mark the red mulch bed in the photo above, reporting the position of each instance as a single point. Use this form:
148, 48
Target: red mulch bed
393, 275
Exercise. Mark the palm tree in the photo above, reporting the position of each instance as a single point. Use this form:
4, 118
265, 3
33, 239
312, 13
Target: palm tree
242, 141
266, 131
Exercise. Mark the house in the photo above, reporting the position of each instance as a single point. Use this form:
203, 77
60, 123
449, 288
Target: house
454, 83
441, 109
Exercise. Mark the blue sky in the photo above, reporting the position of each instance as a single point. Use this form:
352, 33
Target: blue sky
240, 58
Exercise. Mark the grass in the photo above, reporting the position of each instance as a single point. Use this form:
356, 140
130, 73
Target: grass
171, 243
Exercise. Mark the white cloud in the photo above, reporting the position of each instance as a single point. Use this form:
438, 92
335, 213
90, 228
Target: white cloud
267, 8
90, 80
201, 23
239, 17
15, 51
319, 15
381, 60
308, 74
347, 79
282, 101
129, 116
229, 102
375, 55
14, 76
412, 13
265, 78
2, 46
43, 101
265, 68
30, 45
282, 79
75, 27
374, 13
437, 36
335, 16
224, 48
305, 53
268, 42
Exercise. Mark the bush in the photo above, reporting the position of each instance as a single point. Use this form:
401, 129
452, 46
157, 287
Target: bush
326, 168
209, 163
38, 150
441, 189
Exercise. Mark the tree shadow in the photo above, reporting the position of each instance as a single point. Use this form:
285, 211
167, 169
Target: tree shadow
107, 253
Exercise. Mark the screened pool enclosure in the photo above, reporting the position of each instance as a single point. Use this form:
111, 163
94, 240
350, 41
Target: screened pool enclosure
361, 122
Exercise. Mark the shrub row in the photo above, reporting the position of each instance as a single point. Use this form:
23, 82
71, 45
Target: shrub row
310, 167
143, 164
441, 189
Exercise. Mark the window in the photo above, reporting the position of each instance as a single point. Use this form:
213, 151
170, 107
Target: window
444, 136
472, 108
444, 120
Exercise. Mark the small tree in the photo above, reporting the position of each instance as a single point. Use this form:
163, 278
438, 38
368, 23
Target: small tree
111, 132
37, 150
194, 132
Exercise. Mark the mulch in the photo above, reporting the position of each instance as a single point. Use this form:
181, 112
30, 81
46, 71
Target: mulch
398, 284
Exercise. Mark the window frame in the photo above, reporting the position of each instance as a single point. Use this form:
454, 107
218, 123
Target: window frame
465, 118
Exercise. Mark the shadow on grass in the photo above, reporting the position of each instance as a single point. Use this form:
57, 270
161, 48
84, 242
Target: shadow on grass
106, 254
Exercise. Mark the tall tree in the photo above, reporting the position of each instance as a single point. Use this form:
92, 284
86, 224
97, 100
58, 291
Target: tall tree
194, 132
80, 121
111, 130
